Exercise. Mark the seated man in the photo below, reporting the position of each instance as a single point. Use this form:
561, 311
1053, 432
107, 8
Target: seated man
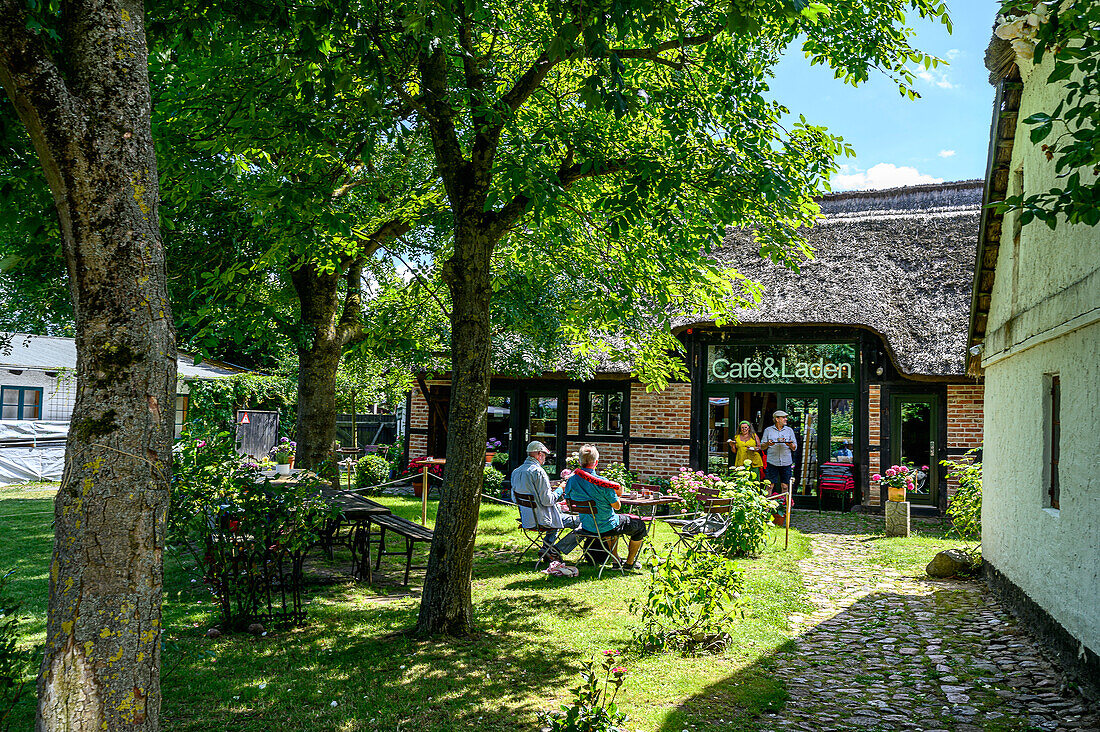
585, 485
530, 478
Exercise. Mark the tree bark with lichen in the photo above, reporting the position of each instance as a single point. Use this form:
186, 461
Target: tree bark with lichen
82, 91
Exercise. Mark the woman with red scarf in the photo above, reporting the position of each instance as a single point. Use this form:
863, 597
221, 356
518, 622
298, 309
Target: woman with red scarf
585, 485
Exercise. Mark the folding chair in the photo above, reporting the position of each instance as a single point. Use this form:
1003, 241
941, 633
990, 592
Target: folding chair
705, 493
611, 559
837, 477
536, 535
712, 522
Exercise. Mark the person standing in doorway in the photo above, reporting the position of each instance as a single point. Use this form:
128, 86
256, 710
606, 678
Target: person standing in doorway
746, 447
779, 440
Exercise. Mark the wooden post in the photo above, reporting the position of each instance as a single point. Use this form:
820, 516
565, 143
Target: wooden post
424, 498
787, 522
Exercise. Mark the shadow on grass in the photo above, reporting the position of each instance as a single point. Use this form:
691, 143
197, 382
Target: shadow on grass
378, 677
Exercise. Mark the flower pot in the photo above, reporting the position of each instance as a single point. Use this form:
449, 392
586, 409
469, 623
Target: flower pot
418, 487
896, 494
489, 457
778, 519
283, 468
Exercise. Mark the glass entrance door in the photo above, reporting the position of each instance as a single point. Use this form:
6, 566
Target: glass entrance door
545, 422
913, 443
802, 417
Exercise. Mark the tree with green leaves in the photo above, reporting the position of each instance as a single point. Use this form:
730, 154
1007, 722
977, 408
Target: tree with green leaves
1070, 132
76, 74
610, 143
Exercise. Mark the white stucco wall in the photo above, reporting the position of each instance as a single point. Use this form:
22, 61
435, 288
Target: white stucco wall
1044, 319
58, 392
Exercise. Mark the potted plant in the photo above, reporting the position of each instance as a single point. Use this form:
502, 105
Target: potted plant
283, 455
416, 472
897, 479
491, 447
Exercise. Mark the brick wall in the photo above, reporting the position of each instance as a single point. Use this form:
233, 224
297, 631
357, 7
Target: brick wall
573, 413
664, 413
874, 460
965, 408
418, 445
610, 452
418, 411
651, 461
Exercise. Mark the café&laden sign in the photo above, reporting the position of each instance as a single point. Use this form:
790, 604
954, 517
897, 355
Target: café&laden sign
802, 363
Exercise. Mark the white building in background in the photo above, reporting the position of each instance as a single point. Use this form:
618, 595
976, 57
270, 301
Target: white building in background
1035, 333
37, 395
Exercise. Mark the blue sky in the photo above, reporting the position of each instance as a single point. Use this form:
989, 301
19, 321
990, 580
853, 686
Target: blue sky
944, 135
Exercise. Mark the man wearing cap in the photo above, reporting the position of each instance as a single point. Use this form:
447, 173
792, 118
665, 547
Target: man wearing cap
780, 443
531, 478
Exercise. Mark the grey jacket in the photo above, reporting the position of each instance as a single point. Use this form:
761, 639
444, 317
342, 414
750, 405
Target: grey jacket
530, 478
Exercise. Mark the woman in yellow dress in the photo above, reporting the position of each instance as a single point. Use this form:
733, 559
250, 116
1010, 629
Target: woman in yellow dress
746, 446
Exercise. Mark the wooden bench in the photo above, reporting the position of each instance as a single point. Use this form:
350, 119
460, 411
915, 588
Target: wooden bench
410, 531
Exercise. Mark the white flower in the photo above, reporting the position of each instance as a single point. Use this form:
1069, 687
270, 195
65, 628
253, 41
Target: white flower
333, 704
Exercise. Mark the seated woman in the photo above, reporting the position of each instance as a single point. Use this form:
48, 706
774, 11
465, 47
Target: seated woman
585, 485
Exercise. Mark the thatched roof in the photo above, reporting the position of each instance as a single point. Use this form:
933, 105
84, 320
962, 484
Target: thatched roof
1000, 59
899, 262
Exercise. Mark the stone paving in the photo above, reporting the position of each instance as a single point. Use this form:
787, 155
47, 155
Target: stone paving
887, 652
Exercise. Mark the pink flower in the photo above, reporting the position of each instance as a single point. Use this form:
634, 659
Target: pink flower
890, 472
619, 670
902, 469
909, 484
924, 467
566, 473
200, 444
876, 477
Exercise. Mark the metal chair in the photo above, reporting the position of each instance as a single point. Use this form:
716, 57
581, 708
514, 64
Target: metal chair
611, 559
536, 534
712, 522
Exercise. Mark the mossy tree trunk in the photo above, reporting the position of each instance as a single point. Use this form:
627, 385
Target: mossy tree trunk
86, 106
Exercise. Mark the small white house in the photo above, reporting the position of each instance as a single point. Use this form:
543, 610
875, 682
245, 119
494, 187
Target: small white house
1035, 335
37, 395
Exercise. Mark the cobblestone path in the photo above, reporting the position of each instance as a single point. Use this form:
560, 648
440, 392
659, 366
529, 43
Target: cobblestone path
887, 652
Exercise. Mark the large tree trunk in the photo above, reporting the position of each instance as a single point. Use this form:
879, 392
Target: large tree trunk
446, 605
89, 121
318, 295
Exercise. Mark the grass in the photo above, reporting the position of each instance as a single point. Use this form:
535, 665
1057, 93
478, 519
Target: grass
533, 631
910, 555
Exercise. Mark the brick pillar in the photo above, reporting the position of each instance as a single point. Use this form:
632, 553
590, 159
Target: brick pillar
874, 457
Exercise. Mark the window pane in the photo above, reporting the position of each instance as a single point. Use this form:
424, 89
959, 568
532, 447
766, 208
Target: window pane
11, 396
614, 413
718, 412
31, 396
597, 413
11, 412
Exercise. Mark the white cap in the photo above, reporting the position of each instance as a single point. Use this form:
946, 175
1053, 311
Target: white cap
779, 413
536, 446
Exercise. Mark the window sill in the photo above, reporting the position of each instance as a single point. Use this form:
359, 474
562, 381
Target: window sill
1052, 512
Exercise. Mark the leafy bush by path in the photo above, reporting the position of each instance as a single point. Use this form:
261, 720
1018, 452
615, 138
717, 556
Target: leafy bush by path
494, 479
371, 471
690, 603
749, 515
965, 508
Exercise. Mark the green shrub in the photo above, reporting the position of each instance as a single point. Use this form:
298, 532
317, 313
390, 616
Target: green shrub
965, 508
494, 480
749, 516
371, 471
618, 473
690, 603
501, 459
592, 708
14, 662
241, 529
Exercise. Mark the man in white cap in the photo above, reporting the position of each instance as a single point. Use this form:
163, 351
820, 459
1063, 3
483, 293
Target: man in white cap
531, 478
780, 443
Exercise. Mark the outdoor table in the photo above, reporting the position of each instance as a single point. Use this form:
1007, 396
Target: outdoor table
637, 501
427, 462
355, 509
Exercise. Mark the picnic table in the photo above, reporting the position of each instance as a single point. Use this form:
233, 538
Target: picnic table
356, 510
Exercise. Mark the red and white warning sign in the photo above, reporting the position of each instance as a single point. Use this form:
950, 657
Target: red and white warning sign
244, 418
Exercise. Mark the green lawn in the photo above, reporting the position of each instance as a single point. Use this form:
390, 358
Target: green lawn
353, 652
910, 555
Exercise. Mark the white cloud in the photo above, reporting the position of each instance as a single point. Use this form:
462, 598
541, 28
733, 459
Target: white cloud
882, 175
946, 153
936, 77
